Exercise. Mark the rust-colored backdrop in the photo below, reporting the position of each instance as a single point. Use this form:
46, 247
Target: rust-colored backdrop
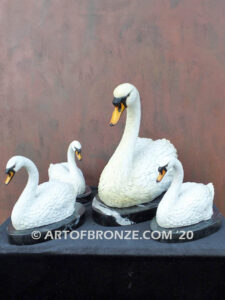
60, 61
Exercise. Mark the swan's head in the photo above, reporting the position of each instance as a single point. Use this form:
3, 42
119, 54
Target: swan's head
125, 96
76, 147
164, 166
13, 165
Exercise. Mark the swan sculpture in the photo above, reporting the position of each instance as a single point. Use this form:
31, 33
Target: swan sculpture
42, 204
184, 203
129, 177
68, 171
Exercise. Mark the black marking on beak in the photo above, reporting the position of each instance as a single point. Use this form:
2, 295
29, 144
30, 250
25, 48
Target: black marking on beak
160, 169
10, 174
10, 170
119, 101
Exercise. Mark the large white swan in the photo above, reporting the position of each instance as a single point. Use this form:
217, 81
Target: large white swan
42, 204
68, 171
184, 203
129, 177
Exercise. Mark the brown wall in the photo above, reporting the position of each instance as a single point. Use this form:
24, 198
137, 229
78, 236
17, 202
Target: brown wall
60, 61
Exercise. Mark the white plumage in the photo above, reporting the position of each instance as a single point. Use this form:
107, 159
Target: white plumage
68, 171
184, 203
42, 204
129, 178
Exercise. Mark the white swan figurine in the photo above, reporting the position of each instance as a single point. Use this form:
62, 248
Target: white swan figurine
129, 177
184, 203
42, 204
68, 171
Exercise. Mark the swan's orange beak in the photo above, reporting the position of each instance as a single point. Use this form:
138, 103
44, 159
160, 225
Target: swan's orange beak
9, 177
79, 156
161, 175
117, 114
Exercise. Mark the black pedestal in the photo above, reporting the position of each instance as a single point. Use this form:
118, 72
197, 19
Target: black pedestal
112, 216
187, 233
46, 232
86, 197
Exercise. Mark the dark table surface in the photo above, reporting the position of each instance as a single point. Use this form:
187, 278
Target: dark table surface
212, 246
113, 268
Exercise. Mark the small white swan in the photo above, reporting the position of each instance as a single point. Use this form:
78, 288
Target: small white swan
42, 204
68, 171
129, 177
184, 203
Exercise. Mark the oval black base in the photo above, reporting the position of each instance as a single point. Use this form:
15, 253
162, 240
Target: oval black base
186, 233
86, 197
112, 216
39, 234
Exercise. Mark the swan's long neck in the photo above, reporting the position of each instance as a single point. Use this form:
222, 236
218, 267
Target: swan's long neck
123, 155
71, 160
32, 183
172, 194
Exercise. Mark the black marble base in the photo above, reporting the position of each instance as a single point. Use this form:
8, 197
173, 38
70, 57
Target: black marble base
112, 216
46, 232
86, 197
186, 233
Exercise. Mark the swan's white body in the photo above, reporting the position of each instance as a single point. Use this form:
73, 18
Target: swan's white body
129, 178
184, 203
68, 171
42, 204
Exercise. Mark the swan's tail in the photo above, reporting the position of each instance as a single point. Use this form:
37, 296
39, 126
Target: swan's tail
211, 189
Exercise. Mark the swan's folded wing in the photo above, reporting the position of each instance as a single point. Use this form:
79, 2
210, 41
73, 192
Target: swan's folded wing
148, 156
141, 144
195, 201
57, 171
54, 200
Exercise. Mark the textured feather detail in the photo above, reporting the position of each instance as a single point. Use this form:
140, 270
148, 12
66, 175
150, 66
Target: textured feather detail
130, 176
194, 204
53, 201
211, 188
62, 173
119, 190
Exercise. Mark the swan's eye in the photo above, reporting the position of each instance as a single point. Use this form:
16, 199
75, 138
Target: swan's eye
119, 101
124, 101
162, 170
10, 169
